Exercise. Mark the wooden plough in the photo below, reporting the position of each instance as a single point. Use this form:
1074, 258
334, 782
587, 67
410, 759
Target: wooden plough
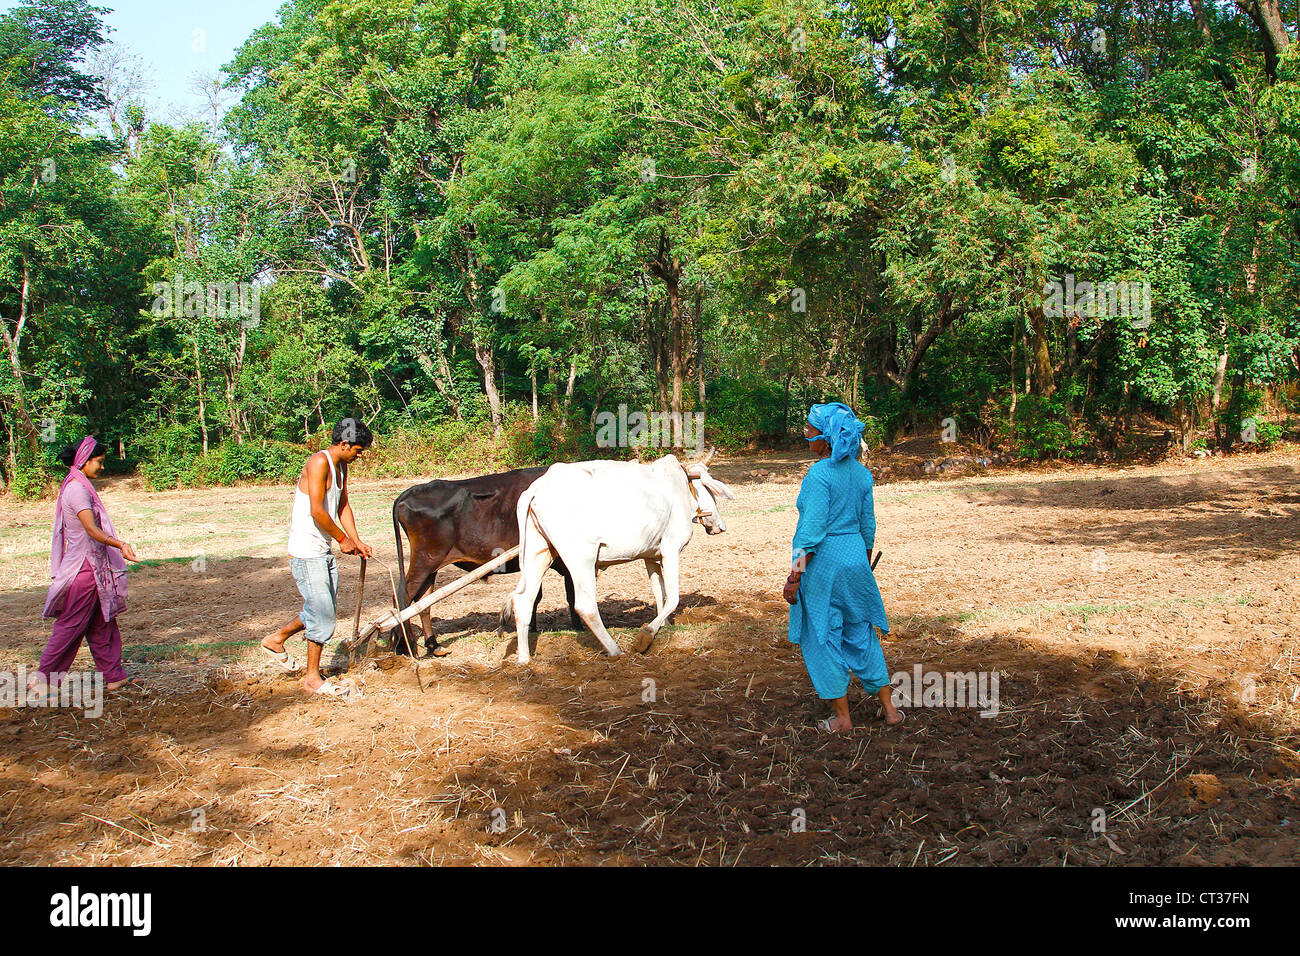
397, 618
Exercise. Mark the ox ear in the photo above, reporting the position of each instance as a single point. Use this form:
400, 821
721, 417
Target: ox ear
717, 488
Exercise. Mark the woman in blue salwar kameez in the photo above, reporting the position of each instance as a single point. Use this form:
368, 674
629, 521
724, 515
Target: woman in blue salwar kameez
835, 605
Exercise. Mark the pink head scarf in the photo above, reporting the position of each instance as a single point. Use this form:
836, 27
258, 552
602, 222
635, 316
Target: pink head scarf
108, 564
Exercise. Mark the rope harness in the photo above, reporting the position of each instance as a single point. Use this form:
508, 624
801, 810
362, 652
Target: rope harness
700, 513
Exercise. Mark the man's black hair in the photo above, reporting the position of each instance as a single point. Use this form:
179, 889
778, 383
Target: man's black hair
69, 454
353, 431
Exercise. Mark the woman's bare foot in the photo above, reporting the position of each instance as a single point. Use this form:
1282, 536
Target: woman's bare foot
836, 725
839, 722
890, 714
39, 687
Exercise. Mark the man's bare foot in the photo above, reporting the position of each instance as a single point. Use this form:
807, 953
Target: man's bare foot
895, 718
275, 643
287, 662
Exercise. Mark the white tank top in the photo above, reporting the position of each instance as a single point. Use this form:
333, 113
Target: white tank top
306, 539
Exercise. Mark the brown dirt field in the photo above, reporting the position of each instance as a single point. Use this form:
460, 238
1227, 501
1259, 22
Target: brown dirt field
1143, 621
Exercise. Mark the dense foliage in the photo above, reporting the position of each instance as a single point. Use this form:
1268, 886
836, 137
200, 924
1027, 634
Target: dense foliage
478, 223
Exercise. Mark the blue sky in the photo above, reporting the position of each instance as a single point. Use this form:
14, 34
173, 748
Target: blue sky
162, 34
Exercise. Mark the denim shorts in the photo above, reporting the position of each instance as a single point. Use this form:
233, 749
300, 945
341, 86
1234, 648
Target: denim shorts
318, 583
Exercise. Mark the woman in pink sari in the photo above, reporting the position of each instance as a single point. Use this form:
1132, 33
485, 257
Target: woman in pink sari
88, 568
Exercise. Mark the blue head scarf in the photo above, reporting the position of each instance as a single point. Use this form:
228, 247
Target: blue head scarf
839, 426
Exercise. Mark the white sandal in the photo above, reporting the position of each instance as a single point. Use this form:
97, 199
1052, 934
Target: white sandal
288, 663
330, 689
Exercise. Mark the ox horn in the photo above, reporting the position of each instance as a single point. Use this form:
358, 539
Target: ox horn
708, 457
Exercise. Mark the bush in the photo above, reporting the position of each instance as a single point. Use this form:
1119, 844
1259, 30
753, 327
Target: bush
1264, 434
1043, 428
456, 447
29, 480
1240, 420
442, 448
744, 410
169, 456
874, 433
884, 412
231, 463
549, 439
1238, 413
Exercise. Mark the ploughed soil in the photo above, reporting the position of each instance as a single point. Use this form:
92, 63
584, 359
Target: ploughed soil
1141, 622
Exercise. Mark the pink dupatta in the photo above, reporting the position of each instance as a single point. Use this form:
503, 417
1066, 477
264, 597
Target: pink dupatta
108, 564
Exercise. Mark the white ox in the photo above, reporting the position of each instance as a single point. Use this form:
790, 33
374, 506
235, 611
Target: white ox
592, 514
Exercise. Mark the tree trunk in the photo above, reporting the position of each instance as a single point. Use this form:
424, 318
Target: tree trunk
1235, 399
666, 266
921, 341
1267, 17
1044, 380
1015, 341
12, 343
232, 381
203, 408
1184, 425
661, 367
1221, 71
481, 340
568, 389
1220, 373
699, 348
439, 369
785, 403
487, 362
678, 364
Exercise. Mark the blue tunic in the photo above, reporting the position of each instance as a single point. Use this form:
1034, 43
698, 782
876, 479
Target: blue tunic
839, 605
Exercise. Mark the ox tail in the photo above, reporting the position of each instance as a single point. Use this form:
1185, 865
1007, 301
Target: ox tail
397, 533
402, 597
401, 636
508, 609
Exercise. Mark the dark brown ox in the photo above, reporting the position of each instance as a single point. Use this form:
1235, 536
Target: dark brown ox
465, 523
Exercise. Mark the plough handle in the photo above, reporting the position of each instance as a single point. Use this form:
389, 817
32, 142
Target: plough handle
361, 587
